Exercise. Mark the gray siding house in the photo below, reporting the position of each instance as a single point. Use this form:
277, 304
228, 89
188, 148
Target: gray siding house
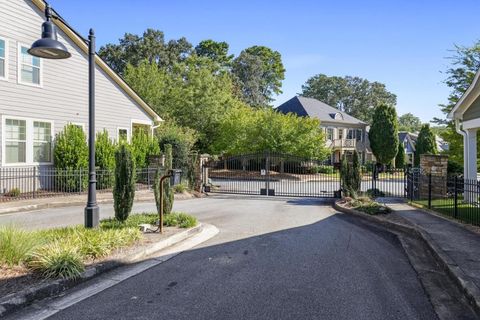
343, 133
39, 97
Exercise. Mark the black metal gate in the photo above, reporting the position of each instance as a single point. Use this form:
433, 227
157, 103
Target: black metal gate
271, 174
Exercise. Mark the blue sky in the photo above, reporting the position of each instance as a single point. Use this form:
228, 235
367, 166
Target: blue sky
402, 43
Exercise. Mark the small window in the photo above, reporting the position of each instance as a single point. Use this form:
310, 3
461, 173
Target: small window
359, 134
340, 134
351, 134
122, 134
29, 68
15, 141
330, 133
3, 59
42, 141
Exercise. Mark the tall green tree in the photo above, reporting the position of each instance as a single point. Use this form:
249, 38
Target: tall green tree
356, 96
400, 158
151, 46
193, 95
124, 185
383, 134
216, 51
408, 122
259, 71
425, 143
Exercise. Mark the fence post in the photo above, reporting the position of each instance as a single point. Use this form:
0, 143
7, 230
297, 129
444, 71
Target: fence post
373, 178
80, 180
455, 187
429, 191
404, 182
34, 181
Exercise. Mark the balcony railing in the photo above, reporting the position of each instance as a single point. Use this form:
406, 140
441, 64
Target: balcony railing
344, 143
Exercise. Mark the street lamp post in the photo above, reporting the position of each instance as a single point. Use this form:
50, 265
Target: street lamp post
49, 47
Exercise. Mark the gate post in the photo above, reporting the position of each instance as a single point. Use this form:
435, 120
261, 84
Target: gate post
267, 173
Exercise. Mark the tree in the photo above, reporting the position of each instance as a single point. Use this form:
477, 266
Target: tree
464, 64
124, 186
425, 144
400, 158
104, 159
259, 71
143, 146
216, 51
383, 134
248, 130
356, 175
133, 49
181, 139
193, 95
356, 96
408, 122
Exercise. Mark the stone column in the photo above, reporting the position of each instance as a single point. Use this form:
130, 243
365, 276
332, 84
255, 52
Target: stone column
436, 166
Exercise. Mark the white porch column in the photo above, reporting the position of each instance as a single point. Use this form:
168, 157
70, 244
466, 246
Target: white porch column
470, 170
471, 147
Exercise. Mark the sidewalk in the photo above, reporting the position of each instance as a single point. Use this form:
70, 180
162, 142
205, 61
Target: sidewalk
74, 200
454, 243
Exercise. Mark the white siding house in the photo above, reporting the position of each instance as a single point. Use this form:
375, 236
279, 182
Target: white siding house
39, 97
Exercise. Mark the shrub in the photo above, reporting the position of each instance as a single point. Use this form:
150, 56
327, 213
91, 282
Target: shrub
326, 169
16, 245
181, 139
144, 146
124, 187
14, 192
350, 175
372, 193
71, 157
57, 260
168, 195
179, 188
180, 219
104, 159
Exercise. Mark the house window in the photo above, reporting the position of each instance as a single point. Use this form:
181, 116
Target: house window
351, 134
29, 67
3, 59
42, 141
15, 141
329, 133
359, 134
340, 134
122, 135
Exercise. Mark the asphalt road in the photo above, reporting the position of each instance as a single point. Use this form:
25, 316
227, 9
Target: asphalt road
273, 259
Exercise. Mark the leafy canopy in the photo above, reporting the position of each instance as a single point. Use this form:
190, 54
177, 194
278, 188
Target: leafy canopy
246, 130
408, 122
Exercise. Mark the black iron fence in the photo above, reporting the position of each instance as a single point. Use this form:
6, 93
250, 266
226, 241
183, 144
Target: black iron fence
33, 182
451, 196
381, 181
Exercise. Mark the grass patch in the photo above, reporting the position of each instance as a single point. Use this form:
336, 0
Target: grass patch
16, 245
174, 219
180, 188
57, 260
466, 212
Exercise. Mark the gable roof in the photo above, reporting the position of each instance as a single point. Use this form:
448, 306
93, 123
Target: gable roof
303, 106
402, 135
467, 99
83, 45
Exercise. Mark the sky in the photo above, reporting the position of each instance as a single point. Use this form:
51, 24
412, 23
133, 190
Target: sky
404, 44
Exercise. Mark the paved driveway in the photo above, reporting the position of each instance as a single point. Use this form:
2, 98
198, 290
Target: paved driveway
273, 259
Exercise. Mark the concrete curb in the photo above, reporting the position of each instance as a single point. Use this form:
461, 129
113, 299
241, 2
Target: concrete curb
16, 301
470, 290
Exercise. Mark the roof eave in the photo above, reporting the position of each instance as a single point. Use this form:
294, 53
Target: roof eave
102, 64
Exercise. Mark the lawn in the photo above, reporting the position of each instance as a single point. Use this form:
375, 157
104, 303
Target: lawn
466, 212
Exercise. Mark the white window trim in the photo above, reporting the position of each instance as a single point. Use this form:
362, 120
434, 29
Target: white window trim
118, 133
29, 141
142, 122
19, 68
5, 78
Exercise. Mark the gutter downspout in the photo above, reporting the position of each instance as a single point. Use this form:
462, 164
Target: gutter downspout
465, 149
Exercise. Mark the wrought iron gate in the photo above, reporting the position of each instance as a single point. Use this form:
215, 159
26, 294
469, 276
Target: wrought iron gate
271, 174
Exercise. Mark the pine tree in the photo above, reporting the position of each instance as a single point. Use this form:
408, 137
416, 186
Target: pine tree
400, 158
383, 134
124, 186
425, 144
356, 176
168, 194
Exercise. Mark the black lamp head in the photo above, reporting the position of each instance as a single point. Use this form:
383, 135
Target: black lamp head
48, 46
